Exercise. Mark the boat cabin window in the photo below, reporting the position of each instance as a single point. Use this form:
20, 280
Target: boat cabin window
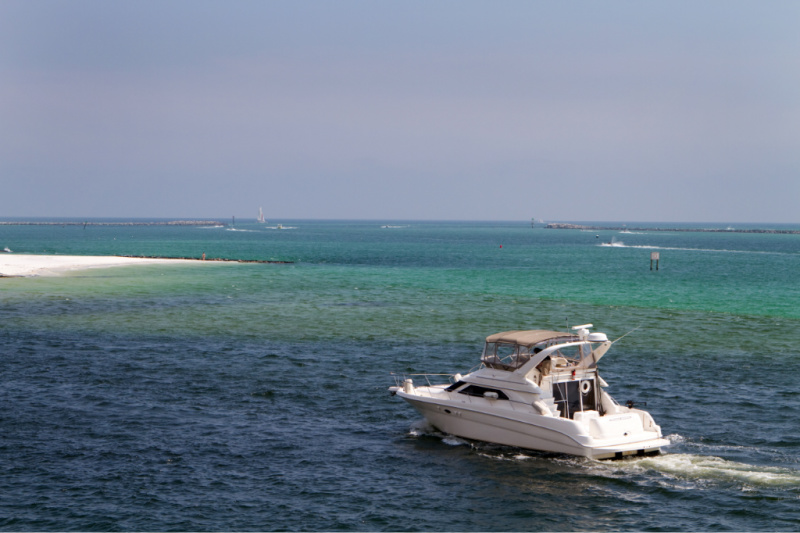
477, 390
454, 386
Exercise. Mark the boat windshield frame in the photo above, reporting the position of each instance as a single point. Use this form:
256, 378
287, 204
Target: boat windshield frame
504, 351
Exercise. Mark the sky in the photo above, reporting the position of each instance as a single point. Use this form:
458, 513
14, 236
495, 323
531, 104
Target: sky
653, 111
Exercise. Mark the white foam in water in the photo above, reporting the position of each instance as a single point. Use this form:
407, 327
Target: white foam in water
707, 469
420, 428
450, 440
620, 244
503, 457
690, 469
702, 467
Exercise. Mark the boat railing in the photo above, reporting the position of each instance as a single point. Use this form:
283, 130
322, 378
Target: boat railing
400, 378
431, 380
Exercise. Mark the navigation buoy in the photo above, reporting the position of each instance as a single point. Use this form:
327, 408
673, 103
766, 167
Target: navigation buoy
654, 256
501, 246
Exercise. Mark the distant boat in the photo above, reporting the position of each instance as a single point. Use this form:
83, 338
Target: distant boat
261, 216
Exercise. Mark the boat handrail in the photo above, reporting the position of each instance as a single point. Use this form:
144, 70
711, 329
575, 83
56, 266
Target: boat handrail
400, 378
467, 399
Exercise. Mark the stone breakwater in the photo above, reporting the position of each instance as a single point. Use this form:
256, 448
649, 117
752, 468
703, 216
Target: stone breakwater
712, 230
209, 259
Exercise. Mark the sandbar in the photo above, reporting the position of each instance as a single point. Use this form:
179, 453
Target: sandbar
24, 265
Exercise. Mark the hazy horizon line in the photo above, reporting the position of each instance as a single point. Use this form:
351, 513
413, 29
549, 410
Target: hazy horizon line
230, 218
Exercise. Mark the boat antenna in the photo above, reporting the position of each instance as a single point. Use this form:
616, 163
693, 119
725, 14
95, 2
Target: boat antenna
620, 338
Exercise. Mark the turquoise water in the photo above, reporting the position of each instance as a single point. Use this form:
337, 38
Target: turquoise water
240, 396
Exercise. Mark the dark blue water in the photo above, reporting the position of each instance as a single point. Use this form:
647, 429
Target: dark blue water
254, 397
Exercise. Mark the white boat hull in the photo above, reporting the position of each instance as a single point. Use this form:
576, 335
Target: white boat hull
540, 390
531, 430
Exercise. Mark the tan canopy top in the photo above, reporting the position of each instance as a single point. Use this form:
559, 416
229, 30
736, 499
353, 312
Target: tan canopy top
527, 338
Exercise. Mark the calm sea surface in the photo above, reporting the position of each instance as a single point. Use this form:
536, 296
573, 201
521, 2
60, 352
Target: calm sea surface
233, 396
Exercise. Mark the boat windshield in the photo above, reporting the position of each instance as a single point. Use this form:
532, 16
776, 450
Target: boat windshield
510, 356
572, 353
506, 355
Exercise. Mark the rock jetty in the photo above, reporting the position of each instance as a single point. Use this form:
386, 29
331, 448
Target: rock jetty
561, 225
222, 259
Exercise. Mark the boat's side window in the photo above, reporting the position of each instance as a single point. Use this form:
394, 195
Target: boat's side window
523, 356
454, 386
476, 390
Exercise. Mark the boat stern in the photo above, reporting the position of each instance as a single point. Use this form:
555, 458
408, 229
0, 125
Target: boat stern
618, 451
613, 436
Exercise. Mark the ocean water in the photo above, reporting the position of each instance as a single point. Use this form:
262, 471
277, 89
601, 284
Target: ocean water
241, 396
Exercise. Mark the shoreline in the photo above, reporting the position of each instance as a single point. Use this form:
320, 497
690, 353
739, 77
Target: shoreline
24, 265
213, 223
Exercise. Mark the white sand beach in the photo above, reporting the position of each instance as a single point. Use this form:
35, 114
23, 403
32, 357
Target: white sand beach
53, 265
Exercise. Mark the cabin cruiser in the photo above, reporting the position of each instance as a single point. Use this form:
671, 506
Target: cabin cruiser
538, 390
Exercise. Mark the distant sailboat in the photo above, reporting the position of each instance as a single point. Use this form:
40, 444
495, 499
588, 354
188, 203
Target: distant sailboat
261, 216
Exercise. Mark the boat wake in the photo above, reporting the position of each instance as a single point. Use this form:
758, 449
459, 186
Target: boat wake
706, 468
620, 244
691, 470
686, 471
